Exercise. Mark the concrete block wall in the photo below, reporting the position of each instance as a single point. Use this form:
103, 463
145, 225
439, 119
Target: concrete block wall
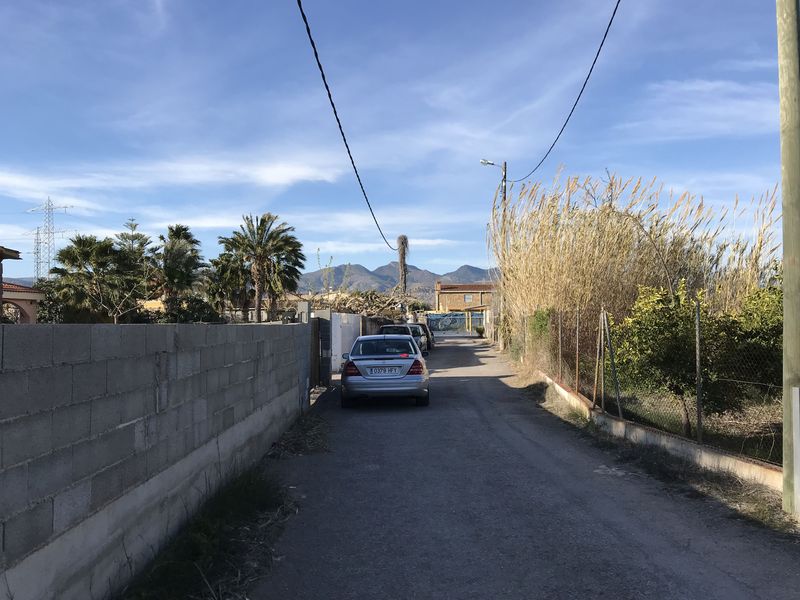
111, 435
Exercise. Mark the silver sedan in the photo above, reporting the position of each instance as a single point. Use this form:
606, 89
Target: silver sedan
385, 365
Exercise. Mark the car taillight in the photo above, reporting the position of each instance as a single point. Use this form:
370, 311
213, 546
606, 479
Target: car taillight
351, 369
416, 368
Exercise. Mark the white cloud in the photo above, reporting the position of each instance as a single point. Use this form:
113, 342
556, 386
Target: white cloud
78, 185
701, 108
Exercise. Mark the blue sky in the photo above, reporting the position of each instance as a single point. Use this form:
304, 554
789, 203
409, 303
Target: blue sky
195, 112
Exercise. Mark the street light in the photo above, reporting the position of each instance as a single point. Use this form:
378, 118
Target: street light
489, 163
503, 235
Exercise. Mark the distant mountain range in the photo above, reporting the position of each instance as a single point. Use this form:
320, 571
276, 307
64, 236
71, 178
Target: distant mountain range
28, 281
358, 277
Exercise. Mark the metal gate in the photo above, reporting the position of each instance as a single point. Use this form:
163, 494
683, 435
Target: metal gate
455, 322
324, 346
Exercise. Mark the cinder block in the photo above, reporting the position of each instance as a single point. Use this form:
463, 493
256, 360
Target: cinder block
159, 338
105, 414
71, 424
71, 506
89, 380
117, 341
127, 374
202, 433
199, 410
27, 531
212, 381
216, 334
136, 404
190, 336
14, 399
157, 458
111, 447
49, 474
13, 490
107, 485
71, 344
228, 417
49, 387
25, 438
135, 470
27, 347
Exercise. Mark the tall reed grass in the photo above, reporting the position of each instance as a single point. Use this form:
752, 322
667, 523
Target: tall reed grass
585, 243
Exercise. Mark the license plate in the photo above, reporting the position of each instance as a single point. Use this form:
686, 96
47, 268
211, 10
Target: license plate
384, 370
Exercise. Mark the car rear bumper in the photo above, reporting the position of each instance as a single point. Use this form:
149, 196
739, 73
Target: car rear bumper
359, 386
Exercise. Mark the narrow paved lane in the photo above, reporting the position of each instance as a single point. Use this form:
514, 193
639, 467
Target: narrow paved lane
486, 495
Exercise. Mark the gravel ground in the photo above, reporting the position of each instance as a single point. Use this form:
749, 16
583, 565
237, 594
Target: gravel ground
484, 494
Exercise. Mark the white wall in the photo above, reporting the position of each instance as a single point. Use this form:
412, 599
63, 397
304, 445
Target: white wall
345, 328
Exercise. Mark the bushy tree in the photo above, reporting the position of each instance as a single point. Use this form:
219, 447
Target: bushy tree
105, 277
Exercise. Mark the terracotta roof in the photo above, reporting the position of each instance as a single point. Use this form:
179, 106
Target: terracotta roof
15, 287
466, 287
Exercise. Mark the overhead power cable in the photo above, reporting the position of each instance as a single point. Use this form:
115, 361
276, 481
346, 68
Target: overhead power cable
339, 123
572, 110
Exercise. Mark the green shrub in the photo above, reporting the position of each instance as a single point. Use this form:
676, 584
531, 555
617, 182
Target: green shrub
740, 354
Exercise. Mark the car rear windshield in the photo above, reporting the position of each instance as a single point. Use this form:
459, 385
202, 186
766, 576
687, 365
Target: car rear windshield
398, 329
382, 348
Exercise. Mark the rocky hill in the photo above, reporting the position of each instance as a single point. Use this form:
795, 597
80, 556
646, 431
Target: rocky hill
358, 277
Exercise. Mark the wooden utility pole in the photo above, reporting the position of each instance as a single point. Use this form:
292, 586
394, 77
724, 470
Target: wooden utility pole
789, 87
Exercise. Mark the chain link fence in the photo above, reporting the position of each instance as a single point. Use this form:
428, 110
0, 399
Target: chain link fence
724, 392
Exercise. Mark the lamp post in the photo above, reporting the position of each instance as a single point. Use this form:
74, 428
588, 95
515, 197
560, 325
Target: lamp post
489, 163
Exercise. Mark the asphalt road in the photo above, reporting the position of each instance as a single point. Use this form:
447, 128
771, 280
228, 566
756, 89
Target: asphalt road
484, 494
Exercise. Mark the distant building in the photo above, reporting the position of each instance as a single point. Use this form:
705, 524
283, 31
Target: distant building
20, 299
24, 301
457, 297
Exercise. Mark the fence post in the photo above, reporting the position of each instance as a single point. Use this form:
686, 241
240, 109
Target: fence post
602, 363
597, 365
699, 372
613, 364
560, 380
577, 349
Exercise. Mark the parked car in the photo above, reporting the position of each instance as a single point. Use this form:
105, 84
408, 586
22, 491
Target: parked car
429, 334
385, 366
412, 329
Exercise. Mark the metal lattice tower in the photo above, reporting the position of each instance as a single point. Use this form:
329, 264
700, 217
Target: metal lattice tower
37, 254
49, 241
45, 239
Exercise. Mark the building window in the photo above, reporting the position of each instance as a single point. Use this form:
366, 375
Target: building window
467, 297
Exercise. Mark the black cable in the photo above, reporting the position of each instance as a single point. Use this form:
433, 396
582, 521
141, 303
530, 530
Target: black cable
583, 87
339, 123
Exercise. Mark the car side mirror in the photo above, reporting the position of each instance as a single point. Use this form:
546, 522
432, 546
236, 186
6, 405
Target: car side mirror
346, 356
425, 353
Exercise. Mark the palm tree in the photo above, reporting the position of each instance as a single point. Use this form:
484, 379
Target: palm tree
180, 264
226, 283
272, 253
402, 252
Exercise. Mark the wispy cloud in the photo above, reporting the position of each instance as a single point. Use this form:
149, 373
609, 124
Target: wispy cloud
701, 108
76, 185
745, 65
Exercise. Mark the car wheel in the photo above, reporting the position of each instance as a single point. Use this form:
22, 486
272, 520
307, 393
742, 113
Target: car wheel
425, 400
346, 401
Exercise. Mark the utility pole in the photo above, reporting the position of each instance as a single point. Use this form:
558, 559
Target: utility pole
44, 240
789, 87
